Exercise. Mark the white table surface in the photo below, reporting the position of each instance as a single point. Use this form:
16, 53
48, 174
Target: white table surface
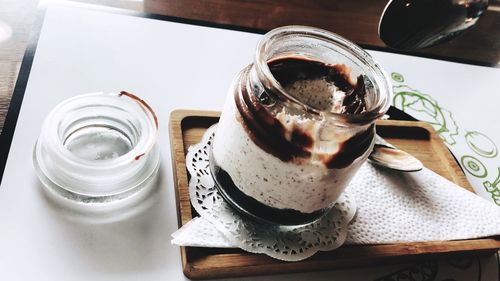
172, 66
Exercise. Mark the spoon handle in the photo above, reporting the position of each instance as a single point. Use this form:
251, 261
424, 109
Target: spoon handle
380, 141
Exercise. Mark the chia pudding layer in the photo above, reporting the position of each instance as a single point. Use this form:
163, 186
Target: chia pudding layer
279, 163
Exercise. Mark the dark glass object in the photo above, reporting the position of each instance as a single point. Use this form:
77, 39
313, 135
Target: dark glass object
416, 24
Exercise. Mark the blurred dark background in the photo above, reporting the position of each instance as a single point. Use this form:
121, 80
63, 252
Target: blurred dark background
356, 20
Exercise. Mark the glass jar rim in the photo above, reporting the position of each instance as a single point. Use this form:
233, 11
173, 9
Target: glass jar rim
134, 154
264, 73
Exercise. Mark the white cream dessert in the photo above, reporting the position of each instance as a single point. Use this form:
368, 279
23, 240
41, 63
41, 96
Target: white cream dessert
281, 164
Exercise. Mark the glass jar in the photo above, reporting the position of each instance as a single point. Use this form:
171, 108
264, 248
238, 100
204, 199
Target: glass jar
297, 125
98, 149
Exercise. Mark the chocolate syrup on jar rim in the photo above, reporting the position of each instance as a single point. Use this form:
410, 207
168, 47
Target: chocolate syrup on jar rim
297, 125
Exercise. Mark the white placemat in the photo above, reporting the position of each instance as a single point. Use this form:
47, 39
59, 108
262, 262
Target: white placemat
172, 66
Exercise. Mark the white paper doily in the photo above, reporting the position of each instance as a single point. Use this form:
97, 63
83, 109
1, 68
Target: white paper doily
281, 242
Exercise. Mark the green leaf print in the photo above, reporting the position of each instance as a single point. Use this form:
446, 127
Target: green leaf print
425, 108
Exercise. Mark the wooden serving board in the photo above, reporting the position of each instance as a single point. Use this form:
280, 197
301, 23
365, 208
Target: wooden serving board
418, 138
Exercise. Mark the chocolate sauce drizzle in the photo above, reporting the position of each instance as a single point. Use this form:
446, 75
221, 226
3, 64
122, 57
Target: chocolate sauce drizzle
268, 132
351, 149
291, 69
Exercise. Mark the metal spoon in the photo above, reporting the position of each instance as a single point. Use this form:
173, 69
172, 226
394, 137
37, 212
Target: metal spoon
386, 155
415, 24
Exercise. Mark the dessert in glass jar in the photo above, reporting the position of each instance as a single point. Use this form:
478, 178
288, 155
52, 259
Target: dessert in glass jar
297, 125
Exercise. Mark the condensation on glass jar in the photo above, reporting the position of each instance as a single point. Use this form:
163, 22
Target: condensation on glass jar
97, 152
297, 125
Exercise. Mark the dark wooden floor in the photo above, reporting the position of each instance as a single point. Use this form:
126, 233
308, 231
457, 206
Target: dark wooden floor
356, 20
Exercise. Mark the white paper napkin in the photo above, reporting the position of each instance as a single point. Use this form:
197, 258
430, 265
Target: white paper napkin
392, 207
413, 207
